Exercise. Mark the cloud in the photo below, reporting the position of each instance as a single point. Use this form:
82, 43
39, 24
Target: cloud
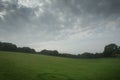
61, 21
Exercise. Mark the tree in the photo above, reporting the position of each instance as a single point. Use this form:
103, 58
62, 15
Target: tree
49, 52
119, 50
7, 46
4, 46
26, 50
87, 55
110, 50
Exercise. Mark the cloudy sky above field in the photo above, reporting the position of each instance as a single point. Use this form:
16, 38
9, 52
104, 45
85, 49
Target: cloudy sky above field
70, 26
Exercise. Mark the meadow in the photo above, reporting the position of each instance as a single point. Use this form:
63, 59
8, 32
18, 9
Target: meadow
23, 66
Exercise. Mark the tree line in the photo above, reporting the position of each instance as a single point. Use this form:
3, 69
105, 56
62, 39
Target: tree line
5, 46
111, 50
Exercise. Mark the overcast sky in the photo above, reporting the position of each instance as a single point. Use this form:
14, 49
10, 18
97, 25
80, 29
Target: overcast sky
69, 26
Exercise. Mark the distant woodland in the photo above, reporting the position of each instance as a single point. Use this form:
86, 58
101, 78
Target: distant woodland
110, 50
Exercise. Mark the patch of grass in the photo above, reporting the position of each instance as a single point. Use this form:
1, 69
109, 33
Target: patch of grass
21, 66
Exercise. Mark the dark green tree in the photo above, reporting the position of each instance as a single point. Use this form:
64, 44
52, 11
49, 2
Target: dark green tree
110, 50
49, 52
26, 50
4, 46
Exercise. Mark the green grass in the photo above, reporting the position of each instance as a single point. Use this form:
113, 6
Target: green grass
19, 66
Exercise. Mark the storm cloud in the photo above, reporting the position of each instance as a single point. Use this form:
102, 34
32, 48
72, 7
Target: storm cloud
72, 26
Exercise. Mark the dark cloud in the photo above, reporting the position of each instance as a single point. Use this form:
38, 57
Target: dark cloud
54, 20
96, 8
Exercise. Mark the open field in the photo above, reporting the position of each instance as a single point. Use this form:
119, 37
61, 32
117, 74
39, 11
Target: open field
19, 66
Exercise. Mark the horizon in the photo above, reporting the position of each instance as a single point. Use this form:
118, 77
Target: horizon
53, 49
69, 26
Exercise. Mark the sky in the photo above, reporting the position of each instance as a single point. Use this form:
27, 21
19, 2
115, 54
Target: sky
69, 26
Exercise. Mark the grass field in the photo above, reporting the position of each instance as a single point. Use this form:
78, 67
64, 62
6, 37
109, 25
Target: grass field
19, 66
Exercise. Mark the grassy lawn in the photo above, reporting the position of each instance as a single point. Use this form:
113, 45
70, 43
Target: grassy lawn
19, 66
